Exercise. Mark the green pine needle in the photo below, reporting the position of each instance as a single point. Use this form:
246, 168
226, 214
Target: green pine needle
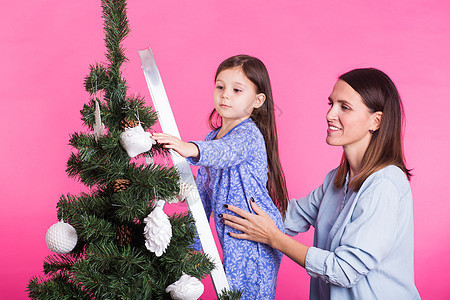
230, 295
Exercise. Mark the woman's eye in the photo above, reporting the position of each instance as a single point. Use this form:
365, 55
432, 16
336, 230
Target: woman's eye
344, 107
237, 90
219, 87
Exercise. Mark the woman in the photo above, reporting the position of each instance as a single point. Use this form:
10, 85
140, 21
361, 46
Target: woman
362, 213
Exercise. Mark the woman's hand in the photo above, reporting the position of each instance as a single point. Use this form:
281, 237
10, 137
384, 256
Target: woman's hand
257, 227
261, 228
171, 142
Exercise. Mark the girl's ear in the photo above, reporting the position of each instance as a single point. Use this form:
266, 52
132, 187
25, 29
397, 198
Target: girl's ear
260, 99
377, 117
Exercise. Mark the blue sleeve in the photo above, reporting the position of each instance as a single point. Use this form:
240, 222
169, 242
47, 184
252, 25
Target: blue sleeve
302, 213
366, 239
232, 149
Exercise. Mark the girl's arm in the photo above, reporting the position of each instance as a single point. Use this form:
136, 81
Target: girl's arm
261, 228
242, 144
171, 142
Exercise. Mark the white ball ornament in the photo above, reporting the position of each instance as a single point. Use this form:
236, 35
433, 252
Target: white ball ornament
136, 140
186, 288
61, 238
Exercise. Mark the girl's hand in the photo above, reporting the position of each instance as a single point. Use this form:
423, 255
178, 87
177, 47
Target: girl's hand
257, 227
171, 142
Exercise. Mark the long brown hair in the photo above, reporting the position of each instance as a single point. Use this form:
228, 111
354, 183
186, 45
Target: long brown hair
378, 93
264, 118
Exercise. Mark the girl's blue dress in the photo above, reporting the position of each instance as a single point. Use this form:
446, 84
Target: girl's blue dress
234, 169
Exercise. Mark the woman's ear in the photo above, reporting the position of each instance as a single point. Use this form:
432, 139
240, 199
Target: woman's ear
377, 118
260, 99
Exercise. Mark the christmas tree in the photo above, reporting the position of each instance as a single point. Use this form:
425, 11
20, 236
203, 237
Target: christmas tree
115, 242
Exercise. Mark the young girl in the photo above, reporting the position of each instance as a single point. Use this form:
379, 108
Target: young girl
363, 212
239, 162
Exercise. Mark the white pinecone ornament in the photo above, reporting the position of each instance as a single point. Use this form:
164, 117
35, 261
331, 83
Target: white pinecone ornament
61, 238
185, 189
186, 288
157, 231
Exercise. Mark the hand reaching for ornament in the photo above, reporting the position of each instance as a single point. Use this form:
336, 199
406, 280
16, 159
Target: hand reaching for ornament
172, 142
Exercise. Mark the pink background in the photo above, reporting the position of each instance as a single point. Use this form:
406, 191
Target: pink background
46, 48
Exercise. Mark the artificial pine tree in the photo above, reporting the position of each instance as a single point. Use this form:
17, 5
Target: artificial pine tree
110, 259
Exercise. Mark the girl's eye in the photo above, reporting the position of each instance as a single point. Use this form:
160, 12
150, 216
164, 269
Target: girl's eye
345, 107
219, 87
237, 90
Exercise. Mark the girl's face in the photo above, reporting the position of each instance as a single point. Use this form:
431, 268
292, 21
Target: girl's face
349, 119
235, 96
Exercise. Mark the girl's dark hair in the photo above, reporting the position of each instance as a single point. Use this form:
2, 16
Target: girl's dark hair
264, 118
378, 93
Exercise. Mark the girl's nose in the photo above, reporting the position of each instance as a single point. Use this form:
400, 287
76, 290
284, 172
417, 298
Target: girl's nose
225, 94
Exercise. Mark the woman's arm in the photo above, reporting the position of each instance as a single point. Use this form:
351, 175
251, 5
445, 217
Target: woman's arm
261, 228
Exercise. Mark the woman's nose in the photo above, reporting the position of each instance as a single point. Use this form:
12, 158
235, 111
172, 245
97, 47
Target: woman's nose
331, 114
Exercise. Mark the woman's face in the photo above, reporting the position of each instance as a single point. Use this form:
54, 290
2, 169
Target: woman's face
349, 119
